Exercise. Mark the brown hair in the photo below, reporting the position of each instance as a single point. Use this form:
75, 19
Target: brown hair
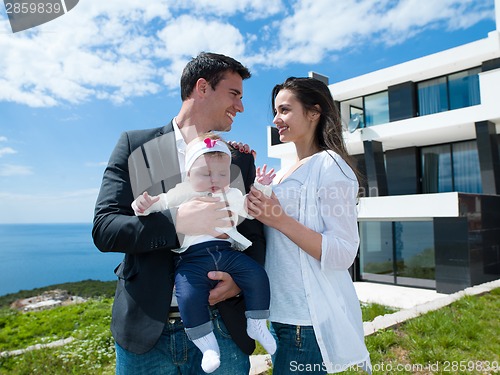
312, 93
212, 67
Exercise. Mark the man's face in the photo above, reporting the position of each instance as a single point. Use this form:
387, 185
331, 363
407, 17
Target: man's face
223, 103
210, 173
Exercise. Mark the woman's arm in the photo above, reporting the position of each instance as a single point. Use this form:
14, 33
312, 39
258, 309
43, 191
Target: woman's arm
340, 237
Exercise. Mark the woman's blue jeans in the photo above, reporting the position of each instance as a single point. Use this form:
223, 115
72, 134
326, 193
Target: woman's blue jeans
298, 351
175, 354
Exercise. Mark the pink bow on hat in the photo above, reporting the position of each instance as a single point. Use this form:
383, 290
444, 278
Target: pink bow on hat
210, 142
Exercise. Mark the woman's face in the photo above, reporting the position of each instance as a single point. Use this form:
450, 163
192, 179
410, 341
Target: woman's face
293, 123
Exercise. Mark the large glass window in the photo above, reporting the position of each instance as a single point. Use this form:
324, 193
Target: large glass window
432, 96
453, 167
376, 109
399, 252
454, 91
356, 114
466, 168
414, 245
436, 169
376, 249
464, 89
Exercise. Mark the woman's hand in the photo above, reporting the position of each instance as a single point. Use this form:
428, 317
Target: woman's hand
242, 147
267, 210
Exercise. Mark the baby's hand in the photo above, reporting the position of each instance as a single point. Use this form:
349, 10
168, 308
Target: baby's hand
143, 202
263, 177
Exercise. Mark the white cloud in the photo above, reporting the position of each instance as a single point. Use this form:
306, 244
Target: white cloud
72, 206
6, 151
410, 17
77, 194
96, 164
317, 28
99, 49
197, 36
7, 170
118, 49
250, 9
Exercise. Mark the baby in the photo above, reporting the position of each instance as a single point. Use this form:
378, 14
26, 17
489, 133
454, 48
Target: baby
208, 162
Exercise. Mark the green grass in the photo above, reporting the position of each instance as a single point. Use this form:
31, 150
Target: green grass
372, 310
462, 338
92, 351
464, 334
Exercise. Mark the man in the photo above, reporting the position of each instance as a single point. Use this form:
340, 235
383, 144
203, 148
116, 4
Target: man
148, 333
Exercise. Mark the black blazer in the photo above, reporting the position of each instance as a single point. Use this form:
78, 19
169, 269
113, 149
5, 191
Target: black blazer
145, 277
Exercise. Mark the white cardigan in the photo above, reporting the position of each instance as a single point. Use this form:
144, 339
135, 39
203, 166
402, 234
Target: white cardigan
328, 206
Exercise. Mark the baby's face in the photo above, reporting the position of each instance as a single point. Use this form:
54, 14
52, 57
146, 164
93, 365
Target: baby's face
210, 173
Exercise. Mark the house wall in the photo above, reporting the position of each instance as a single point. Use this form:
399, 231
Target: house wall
465, 228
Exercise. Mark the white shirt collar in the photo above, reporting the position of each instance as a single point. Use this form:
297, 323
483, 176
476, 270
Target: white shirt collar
179, 139
181, 148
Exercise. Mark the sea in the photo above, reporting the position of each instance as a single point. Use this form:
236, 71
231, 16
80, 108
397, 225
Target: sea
40, 255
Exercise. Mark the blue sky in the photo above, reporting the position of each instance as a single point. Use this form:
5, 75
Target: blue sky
69, 87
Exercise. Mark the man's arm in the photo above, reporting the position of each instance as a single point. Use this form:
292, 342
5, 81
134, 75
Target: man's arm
116, 228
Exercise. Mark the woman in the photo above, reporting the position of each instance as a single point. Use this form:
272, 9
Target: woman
312, 237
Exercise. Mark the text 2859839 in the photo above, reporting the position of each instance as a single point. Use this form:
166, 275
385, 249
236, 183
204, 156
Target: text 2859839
33, 8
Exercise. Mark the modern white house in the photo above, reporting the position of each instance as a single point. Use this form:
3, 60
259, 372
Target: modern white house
426, 135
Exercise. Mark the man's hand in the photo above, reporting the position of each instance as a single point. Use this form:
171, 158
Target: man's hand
225, 288
201, 216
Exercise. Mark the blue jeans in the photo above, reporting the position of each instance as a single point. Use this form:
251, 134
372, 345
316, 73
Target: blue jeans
175, 354
298, 351
192, 285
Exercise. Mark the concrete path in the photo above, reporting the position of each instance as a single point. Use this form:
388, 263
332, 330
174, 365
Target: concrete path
53, 344
399, 297
425, 302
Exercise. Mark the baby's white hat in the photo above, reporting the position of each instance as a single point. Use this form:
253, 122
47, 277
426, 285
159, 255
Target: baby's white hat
198, 147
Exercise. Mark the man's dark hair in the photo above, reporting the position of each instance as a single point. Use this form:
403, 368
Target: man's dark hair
212, 67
